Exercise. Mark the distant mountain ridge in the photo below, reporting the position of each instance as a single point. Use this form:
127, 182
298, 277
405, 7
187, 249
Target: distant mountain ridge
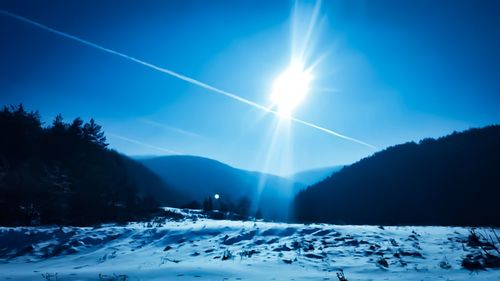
200, 178
452, 180
312, 176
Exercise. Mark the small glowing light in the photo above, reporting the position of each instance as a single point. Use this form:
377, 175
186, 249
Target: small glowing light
290, 88
216, 196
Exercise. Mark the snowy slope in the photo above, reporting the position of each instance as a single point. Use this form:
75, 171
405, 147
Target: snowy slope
204, 249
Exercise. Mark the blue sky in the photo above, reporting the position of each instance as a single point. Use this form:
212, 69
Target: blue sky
388, 72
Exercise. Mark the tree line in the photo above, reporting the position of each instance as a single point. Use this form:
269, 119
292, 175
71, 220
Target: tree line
453, 180
63, 173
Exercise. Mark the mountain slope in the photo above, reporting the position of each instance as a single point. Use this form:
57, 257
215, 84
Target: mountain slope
200, 178
150, 184
313, 176
453, 180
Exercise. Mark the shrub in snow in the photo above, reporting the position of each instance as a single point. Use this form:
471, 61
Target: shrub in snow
341, 276
227, 255
489, 254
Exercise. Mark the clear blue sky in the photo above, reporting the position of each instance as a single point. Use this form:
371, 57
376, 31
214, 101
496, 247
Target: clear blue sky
389, 72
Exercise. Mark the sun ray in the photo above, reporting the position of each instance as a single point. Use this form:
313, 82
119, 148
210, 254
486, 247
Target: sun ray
178, 75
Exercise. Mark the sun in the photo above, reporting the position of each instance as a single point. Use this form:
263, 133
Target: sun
290, 88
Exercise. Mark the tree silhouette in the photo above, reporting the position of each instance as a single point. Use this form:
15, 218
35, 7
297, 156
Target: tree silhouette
63, 173
453, 180
93, 133
207, 204
243, 206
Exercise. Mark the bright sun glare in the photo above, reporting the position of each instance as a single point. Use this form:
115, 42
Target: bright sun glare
290, 88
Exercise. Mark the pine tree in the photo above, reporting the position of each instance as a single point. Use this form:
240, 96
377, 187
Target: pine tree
76, 128
92, 132
208, 205
243, 207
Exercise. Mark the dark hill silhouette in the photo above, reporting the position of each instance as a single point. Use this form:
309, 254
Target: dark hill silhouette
309, 177
150, 184
453, 180
65, 174
200, 178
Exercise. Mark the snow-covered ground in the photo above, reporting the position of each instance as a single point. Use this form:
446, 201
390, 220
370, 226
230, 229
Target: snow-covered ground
204, 249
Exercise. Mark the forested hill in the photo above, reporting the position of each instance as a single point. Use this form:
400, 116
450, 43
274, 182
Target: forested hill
453, 180
201, 178
64, 174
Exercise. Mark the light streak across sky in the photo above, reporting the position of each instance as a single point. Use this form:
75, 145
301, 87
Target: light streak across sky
182, 77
